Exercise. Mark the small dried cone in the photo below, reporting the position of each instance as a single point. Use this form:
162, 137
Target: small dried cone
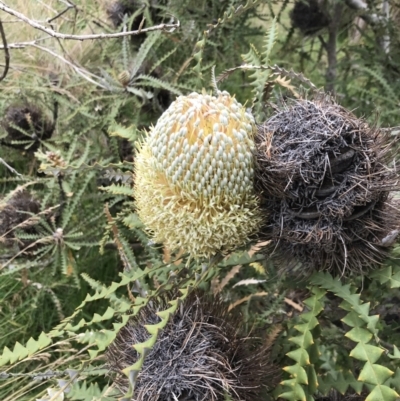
309, 16
24, 123
15, 212
325, 177
194, 176
202, 354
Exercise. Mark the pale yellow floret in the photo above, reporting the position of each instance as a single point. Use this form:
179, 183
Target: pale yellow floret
194, 176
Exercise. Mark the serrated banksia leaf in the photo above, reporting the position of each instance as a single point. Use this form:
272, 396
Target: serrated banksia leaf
194, 176
325, 177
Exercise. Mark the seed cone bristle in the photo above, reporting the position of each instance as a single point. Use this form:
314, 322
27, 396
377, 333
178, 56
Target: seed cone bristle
326, 179
194, 176
200, 355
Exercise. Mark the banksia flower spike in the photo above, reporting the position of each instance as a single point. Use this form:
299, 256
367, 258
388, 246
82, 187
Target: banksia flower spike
201, 354
194, 176
325, 179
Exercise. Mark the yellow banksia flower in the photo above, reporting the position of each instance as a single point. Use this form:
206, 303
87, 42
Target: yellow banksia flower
194, 176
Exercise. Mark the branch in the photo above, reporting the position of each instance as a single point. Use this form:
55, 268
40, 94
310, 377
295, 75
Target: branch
54, 34
82, 72
6, 52
9, 167
375, 20
365, 14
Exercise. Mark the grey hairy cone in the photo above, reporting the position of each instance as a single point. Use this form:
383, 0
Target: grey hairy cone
26, 122
200, 355
325, 177
18, 212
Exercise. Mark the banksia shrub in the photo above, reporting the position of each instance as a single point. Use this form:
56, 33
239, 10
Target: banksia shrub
308, 16
325, 180
194, 176
26, 125
201, 354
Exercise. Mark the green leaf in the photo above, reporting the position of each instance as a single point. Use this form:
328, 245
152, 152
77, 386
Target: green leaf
395, 280
383, 275
300, 356
394, 381
297, 372
296, 394
304, 340
129, 133
396, 353
374, 374
366, 352
270, 39
382, 393
358, 334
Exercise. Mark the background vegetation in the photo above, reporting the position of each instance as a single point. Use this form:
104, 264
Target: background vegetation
73, 255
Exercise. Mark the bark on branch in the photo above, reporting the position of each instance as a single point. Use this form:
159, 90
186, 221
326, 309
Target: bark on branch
55, 34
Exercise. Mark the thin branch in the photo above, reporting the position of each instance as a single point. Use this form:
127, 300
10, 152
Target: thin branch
83, 73
365, 14
69, 6
331, 48
54, 34
6, 51
9, 167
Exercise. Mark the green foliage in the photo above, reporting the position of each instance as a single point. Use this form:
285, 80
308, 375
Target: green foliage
303, 376
78, 265
363, 330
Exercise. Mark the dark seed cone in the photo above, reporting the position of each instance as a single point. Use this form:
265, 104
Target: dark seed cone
118, 9
18, 210
26, 123
325, 180
201, 354
308, 16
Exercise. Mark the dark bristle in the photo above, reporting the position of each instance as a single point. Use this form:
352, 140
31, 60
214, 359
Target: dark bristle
308, 16
199, 355
325, 182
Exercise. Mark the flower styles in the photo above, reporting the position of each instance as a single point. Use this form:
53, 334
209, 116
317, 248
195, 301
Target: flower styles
194, 176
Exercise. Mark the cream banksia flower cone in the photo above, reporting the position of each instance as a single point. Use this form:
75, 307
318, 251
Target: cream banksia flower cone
194, 176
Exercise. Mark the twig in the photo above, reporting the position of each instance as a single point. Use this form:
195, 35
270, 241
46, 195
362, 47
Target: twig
365, 14
9, 167
83, 73
55, 34
331, 48
69, 6
6, 51
374, 20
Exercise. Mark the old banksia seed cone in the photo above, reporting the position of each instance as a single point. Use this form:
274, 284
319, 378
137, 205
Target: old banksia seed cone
325, 178
201, 354
17, 213
26, 125
194, 176
309, 16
